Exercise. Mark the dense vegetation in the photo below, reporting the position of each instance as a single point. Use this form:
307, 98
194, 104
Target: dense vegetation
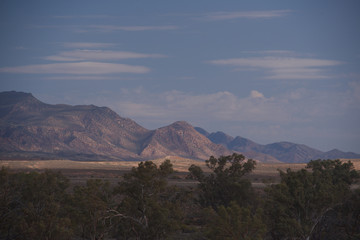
313, 203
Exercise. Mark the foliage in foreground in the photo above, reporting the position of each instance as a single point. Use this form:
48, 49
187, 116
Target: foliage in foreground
149, 208
225, 183
297, 206
313, 203
32, 206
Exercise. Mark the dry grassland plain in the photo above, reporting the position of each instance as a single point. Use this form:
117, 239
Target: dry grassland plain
79, 171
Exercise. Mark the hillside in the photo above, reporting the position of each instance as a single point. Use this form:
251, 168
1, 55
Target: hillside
30, 127
275, 152
181, 139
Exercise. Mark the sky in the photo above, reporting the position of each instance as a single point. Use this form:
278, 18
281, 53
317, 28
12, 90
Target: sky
265, 70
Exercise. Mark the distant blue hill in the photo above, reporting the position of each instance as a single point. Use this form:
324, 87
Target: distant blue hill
283, 151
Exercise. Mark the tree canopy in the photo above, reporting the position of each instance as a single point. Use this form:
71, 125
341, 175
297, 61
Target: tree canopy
300, 201
148, 209
225, 183
316, 202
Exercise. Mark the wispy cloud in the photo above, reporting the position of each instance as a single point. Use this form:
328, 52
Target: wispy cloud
282, 67
299, 106
98, 16
85, 77
106, 28
85, 64
98, 55
220, 106
109, 28
86, 45
272, 52
85, 68
256, 94
219, 16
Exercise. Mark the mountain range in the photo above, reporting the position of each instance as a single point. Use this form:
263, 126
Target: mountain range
31, 129
280, 151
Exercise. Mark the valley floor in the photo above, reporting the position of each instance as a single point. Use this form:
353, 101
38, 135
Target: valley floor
79, 171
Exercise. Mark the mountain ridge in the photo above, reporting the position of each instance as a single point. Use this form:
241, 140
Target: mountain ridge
30, 128
29, 125
280, 151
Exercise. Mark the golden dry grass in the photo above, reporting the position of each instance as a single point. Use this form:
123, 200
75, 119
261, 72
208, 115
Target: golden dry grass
356, 163
64, 164
80, 171
180, 164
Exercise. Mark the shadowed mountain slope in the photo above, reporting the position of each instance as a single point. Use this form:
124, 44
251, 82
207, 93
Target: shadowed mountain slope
282, 151
32, 126
28, 125
31, 129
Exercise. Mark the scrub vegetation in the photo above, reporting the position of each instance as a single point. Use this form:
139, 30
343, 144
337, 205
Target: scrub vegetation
316, 202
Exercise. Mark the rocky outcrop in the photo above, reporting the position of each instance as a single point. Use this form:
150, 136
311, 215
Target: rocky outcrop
181, 139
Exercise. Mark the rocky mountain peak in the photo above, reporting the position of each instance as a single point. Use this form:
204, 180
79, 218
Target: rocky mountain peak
180, 125
28, 125
181, 139
30, 128
18, 104
12, 97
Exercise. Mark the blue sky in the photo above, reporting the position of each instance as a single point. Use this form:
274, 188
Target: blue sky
265, 70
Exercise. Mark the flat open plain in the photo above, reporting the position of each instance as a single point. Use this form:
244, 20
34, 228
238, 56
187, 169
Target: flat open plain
79, 171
